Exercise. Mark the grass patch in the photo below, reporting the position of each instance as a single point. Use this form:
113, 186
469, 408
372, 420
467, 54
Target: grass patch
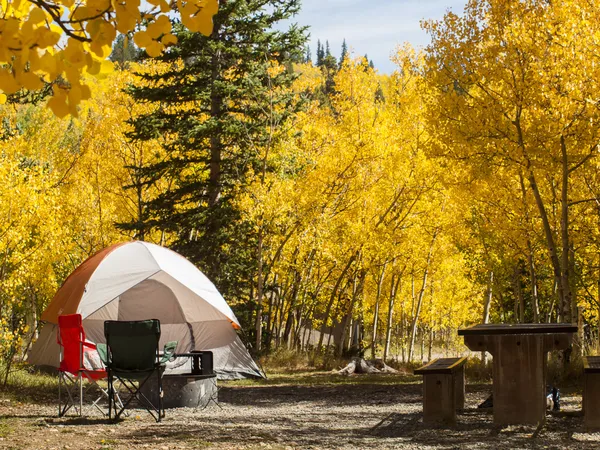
25, 384
6, 428
108, 443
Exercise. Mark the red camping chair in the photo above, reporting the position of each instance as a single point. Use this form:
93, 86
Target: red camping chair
72, 371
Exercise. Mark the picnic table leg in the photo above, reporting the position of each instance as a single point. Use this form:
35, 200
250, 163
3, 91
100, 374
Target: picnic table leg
591, 397
439, 400
519, 377
459, 387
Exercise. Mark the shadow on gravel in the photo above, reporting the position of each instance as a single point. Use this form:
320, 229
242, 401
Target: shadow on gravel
80, 421
342, 395
476, 427
244, 435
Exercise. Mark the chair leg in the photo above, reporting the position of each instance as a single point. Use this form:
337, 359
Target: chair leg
110, 395
80, 395
214, 397
161, 408
68, 384
59, 394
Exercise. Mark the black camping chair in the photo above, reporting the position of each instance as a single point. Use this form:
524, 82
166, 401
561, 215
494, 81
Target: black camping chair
132, 357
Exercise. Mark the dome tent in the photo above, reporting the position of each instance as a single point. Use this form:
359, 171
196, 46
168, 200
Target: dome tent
135, 281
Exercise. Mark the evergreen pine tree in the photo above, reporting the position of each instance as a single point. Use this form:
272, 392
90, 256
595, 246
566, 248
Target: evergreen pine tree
320, 54
229, 97
124, 51
307, 55
379, 95
344, 54
329, 60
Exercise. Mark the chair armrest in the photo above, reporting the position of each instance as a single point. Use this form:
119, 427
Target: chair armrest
168, 351
89, 344
103, 352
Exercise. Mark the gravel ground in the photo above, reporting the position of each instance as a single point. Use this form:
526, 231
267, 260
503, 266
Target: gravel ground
318, 416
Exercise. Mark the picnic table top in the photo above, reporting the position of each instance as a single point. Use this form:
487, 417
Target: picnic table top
517, 328
591, 364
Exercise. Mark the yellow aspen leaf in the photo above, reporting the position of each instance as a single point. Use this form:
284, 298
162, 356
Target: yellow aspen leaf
73, 109
102, 51
209, 7
94, 68
74, 95
125, 21
203, 24
48, 63
82, 13
86, 92
74, 53
153, 30
142, 39
58, 105
164, 7
169, 39
3, 99
154, 49
34, 61
37, 15
73, 75
164, 24
8, 84
31, 81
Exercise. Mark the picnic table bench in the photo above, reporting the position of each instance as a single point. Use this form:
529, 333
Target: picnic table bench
591, 392
443, 389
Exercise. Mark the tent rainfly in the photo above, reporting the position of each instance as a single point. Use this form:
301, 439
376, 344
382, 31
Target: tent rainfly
137, 281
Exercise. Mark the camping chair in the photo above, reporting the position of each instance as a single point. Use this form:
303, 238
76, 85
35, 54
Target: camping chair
131, 356
74, 350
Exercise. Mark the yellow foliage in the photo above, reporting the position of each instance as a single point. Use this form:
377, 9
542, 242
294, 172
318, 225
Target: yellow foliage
53, 38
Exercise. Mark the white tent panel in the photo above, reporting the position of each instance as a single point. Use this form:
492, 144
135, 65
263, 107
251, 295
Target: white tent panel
189, 276
193, 309
122, 269
234, 361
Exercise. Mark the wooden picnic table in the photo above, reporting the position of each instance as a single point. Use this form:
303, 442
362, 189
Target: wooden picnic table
519, 354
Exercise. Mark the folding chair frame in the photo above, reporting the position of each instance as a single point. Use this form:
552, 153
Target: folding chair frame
72, 380
141, 378
135, 392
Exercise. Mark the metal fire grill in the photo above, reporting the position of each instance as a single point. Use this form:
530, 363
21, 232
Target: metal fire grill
193, 389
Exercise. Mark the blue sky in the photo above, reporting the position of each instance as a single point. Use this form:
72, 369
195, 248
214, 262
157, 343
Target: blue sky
374, 27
